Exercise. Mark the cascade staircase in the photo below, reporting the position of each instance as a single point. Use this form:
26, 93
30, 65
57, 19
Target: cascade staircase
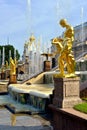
31, 97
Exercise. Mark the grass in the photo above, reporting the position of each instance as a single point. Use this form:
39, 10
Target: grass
84, 99
81, 107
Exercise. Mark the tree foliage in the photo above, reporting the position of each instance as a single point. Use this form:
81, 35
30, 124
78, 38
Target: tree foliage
7, 49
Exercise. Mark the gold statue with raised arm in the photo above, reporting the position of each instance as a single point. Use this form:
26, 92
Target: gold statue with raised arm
12, 67
64, 48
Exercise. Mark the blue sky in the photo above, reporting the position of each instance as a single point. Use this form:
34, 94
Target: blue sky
20, 18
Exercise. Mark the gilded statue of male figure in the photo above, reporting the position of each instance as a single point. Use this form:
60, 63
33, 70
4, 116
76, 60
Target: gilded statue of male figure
64, 46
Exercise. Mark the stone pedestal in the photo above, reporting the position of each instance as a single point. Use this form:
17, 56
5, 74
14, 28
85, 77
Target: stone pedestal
66, 92
3, 76
47, 65
7, 73
12, 79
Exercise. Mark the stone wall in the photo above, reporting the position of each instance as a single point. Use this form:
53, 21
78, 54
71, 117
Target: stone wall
63, 120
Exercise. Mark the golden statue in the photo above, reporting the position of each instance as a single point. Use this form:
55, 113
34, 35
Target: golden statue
12, 67
15, 61
64, 48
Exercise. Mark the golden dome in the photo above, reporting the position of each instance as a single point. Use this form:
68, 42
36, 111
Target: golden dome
32, 38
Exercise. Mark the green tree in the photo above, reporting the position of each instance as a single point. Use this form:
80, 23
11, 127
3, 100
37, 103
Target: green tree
8, 48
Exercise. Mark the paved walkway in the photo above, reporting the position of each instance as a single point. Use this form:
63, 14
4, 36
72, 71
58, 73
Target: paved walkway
22, 122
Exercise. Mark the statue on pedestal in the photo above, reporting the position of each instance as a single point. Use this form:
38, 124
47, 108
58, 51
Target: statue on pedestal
64, 48
66, 83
